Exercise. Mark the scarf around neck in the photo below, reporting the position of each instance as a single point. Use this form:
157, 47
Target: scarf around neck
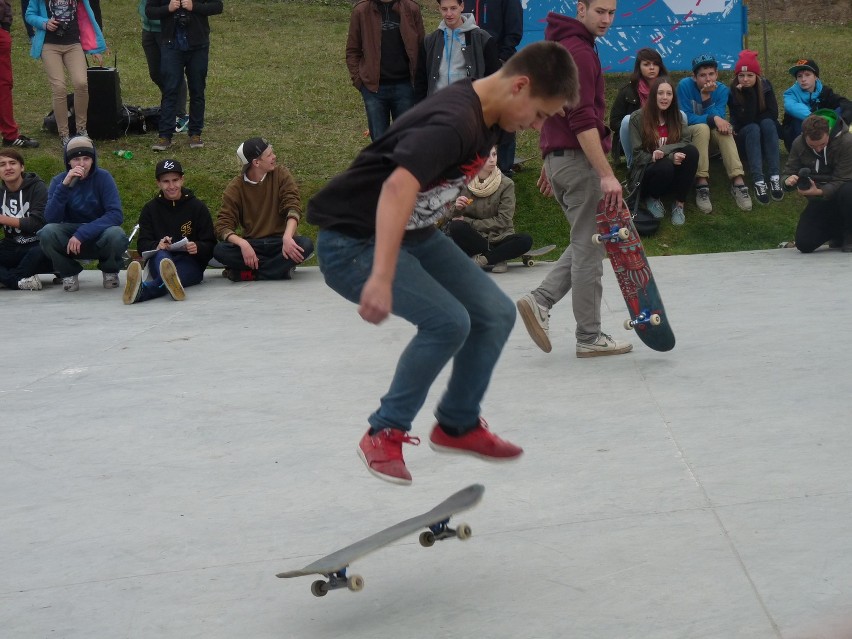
484, 188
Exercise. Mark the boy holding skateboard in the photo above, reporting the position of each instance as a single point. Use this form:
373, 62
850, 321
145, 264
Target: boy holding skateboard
378, 247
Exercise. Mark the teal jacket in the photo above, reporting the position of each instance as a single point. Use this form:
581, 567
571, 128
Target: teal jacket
147, 23
91, 37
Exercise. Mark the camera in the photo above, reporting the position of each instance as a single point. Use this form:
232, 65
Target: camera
182, 18
805, 181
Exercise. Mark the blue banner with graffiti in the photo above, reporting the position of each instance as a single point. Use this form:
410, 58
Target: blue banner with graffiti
678, 29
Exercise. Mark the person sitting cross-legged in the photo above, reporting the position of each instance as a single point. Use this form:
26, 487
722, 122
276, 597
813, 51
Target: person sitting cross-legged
482, 226
263, 202
166, 221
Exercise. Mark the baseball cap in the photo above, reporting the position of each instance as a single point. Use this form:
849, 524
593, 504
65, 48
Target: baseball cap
167, 166
251, 149
704, 60
802, 65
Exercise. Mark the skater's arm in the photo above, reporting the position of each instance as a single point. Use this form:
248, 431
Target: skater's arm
396, 201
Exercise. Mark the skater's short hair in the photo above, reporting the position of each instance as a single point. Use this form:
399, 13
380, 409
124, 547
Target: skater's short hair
12, 154
814, 127
549, 67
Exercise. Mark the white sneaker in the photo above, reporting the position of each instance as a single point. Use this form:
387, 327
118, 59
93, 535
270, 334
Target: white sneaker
71, 283
29, 284
111, 280
537, 320
500, 267
603, 345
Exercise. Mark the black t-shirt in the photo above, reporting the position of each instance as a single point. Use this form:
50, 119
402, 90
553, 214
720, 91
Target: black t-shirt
443, 142
65, 12
393, 63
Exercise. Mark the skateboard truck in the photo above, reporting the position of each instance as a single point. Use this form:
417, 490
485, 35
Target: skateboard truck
616, 234
442, 530
337, 580
645, 317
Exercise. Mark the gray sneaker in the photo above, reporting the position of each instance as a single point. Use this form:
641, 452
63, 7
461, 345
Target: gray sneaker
741, 196
29, 284
480, 260
655, 207
71, 283
678, 218
537, 320
702, 199
603, 345
110, 280
500, 267
169, 275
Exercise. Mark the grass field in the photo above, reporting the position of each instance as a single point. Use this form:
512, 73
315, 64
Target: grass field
277, 69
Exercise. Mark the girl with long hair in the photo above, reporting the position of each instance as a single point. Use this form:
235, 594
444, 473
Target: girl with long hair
632, 96
664, 161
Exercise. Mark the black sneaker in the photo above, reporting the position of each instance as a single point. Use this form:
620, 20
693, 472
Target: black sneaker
761, 192
775, 188
22, 141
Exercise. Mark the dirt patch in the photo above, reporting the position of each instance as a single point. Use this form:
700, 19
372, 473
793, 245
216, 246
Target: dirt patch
807, 11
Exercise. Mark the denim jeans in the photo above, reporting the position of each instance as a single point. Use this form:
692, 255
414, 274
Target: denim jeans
391, 100
760, 143
459, 312
173, 65
272, 263
108, 248
188, 270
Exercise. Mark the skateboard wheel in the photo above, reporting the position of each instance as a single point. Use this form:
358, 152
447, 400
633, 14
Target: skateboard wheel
427, 539
319, 588
596, 239
463, 532
529, 262
656, 320
628, 325
355, 583
624, 233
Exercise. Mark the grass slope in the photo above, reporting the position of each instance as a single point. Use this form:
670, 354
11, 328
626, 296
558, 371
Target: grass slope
277, 69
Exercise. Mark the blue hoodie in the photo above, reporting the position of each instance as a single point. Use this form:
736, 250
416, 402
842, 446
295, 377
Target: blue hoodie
698, 112
799, 103
92, 202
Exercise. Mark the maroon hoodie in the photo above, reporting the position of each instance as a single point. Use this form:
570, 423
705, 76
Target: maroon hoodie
560, 131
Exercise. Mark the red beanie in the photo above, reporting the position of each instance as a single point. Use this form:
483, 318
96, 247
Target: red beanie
747, 62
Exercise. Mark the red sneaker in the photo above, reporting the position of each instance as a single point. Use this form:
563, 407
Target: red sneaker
382, 453
480, 442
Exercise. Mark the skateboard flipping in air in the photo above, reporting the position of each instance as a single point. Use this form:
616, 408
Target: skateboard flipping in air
334, 565
624, 249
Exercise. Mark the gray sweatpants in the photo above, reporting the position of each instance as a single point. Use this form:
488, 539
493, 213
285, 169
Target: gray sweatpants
579, 269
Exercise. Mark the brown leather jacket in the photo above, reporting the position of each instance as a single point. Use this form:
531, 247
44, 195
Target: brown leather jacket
364, 44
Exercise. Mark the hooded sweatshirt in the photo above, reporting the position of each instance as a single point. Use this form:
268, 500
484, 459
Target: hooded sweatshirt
560, 131
187, 217
26, 204
92, 202
830, 168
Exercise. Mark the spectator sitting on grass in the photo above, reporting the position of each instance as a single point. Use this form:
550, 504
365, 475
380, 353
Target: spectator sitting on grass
807, 95
483, 227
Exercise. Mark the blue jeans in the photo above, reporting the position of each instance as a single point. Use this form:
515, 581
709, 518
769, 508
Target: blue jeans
188, 270
173, 65
459, 312
391, 100
108, 248
760, 142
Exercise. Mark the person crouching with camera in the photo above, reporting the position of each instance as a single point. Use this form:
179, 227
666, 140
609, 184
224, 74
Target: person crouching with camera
185, 50
820, 168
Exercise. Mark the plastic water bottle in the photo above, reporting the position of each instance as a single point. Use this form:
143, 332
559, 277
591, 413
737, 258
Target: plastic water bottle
124, 153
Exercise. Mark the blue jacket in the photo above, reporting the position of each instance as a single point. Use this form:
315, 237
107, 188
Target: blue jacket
689, 98
91, 37
93, 202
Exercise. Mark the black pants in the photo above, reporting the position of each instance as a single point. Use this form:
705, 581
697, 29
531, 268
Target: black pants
825, 220
18, 261
663, 176
273, 264
472, 243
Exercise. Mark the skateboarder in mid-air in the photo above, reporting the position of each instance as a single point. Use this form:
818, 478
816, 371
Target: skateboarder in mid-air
379, 248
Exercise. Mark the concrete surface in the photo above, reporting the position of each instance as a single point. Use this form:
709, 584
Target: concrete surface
161, 462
